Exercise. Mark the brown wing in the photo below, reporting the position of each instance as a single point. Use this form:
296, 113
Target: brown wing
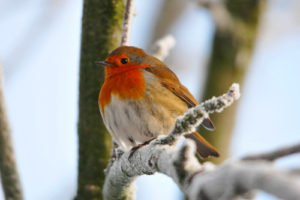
204, 148
170, 81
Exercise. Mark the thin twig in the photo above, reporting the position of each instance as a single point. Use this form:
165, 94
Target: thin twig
127, 22
273, 155
8, 168
187, 123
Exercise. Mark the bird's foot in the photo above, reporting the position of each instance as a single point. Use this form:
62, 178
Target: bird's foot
135, 148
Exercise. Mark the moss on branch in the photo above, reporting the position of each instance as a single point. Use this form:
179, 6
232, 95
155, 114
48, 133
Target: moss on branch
101, 33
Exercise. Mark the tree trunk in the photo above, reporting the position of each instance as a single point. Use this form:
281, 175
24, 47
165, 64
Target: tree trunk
230, 58
101, 33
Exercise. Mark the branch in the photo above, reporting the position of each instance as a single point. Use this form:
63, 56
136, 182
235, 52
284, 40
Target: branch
232, 179
273, 155
187, 123
161, 155
163, 46
8, 168
127, 21
235, 178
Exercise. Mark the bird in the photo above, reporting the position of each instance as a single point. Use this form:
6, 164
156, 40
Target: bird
141, 98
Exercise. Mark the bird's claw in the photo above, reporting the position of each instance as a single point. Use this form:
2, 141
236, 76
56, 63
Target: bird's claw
135, 148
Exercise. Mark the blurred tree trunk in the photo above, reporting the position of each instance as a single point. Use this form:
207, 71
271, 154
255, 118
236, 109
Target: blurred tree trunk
101, 33
230, 58
8, 167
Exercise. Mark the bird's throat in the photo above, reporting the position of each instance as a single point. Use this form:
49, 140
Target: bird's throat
128, 84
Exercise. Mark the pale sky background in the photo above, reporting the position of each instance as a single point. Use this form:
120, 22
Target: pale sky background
39, 49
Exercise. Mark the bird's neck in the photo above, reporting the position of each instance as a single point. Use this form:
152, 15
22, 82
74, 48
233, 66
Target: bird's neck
126, 84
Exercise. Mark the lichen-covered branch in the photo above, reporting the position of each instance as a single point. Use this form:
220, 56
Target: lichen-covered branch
8, 168
161, 155
194, 117
101, 33
229, 180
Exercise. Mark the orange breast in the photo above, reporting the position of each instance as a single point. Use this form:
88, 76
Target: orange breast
126, 85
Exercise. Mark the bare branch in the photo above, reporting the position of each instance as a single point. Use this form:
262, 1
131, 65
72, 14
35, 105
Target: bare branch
8, 168
163, 46
127, 22
275, 154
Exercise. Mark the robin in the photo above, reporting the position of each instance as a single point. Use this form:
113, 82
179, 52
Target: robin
141, 99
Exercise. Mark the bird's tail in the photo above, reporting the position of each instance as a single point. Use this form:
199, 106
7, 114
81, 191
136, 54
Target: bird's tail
204, 148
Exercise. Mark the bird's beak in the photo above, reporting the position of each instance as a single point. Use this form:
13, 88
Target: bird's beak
103, 63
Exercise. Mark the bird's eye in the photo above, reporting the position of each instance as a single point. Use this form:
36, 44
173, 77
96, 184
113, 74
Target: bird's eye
124, 60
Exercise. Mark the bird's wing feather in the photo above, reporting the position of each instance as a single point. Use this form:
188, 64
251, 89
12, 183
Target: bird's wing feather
170, 81
204, 148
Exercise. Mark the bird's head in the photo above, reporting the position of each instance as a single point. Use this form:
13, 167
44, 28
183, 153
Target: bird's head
127, 58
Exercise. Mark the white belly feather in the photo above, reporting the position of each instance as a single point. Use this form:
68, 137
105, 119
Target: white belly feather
131, 122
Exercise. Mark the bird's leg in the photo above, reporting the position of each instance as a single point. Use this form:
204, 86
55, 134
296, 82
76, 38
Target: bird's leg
115, 154
135, 148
